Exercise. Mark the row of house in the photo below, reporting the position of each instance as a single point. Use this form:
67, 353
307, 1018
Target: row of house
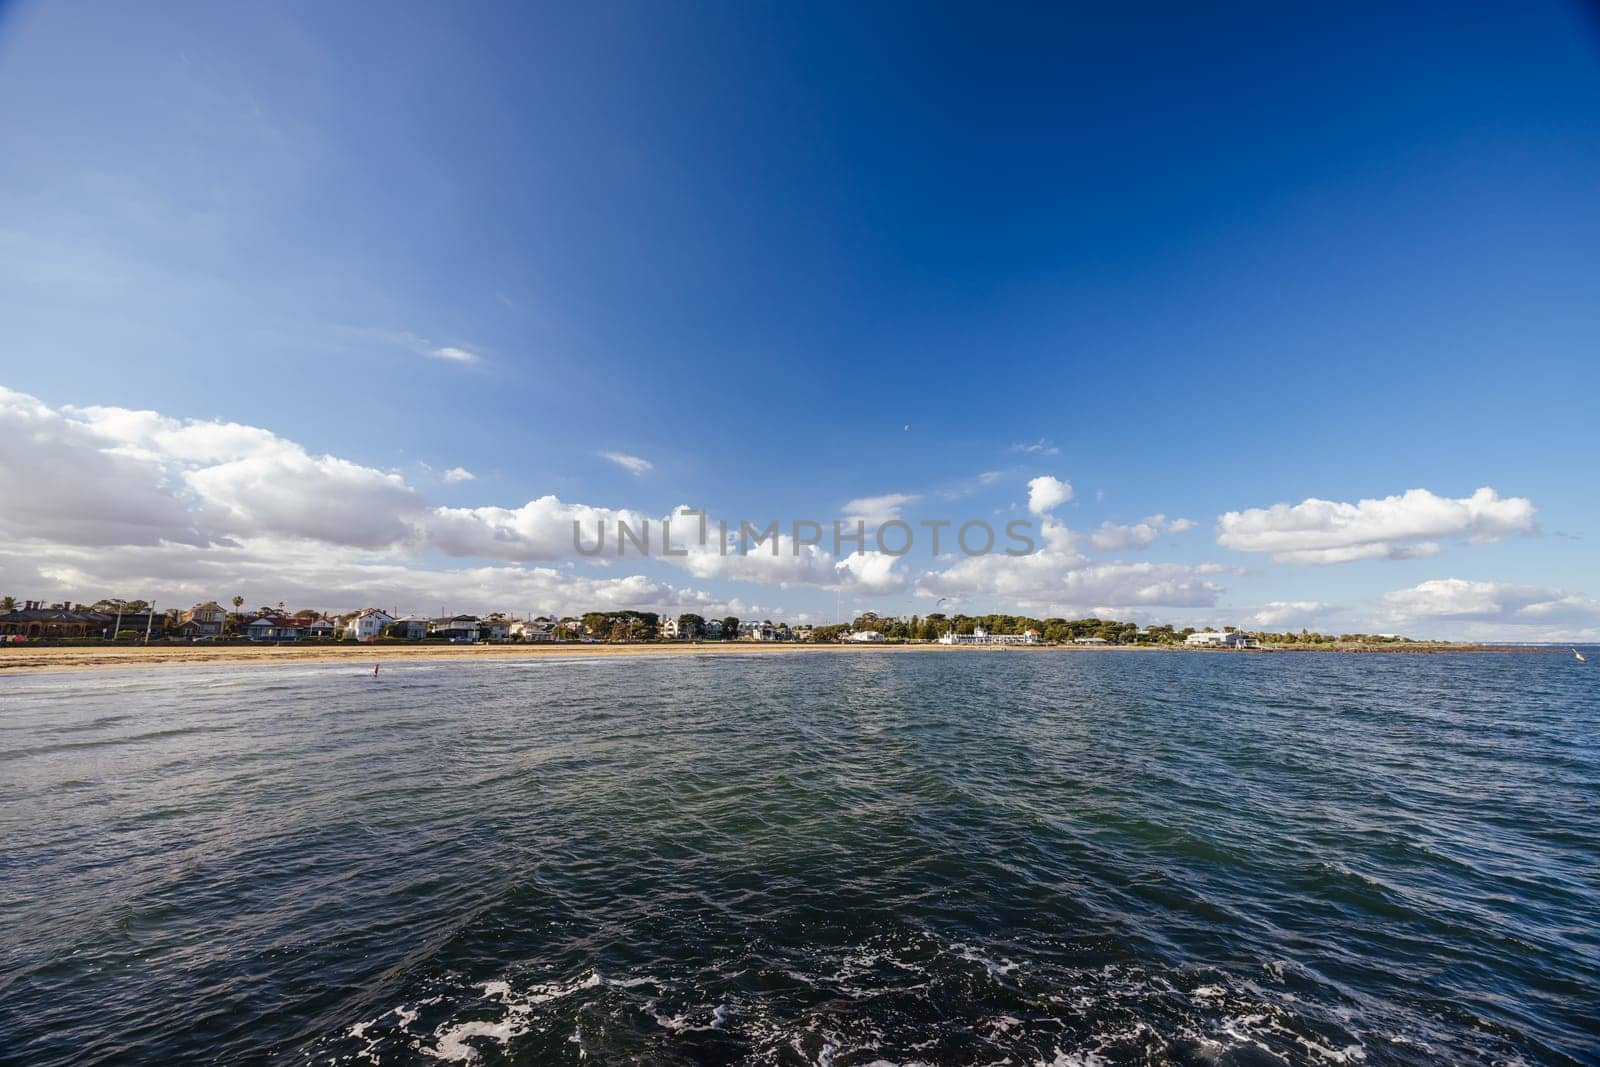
35, 620
671, 629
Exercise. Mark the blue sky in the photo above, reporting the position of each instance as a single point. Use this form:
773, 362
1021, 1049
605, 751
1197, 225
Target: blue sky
792, 259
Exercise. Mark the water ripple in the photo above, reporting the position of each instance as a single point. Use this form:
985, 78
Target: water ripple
943, 858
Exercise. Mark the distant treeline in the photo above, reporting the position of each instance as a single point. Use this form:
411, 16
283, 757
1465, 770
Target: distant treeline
646, 626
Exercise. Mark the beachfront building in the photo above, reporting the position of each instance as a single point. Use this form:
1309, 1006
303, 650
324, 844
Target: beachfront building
34, 621
273, 627
1214, 639
541, 629
980, 636
202, 620
408, 627
320, 628
367, 624
714, 629
865, 637
1091, 641
460, 628
668, 627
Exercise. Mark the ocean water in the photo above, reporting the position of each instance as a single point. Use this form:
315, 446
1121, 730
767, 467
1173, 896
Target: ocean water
946, 857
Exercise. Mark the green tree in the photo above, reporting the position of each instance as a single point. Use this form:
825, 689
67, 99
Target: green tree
8, 604
691, 625
730, 628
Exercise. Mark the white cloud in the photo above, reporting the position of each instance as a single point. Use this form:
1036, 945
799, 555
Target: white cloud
293, 494
541, 529
413, 342
1397, 527
336, 579
93, 497
1060, 580
878, 509
1041, 447
632, 464
1112, 537
458, 474
1045, 493
1288, 613
65, 481
1494, 602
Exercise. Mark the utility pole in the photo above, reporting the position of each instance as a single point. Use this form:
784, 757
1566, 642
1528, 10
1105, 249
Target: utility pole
149, 620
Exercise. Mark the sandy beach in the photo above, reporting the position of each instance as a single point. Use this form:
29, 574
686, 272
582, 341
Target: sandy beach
22, 659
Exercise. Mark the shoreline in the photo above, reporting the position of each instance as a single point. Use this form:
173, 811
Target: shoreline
57, 659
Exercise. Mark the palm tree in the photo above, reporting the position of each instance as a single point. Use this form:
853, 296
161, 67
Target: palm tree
238, 602
8, 604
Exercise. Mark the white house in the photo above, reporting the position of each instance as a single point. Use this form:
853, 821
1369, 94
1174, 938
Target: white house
367, 624
272, 628
322, 629
540, 629
1214, 639
865, 637
668, 627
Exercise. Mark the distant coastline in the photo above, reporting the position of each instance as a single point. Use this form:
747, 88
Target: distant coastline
45, 659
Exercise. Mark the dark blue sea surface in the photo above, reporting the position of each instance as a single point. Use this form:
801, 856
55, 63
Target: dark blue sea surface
965, 857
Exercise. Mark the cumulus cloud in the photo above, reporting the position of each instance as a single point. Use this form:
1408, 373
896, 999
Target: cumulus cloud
458, 474
541, 529
293, 494
98, 495
1280, 614
1046, 493
1112, 537
334, 579
878, 509
632, 464
65, 481
1495, 602
1059, 580
1396, 527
